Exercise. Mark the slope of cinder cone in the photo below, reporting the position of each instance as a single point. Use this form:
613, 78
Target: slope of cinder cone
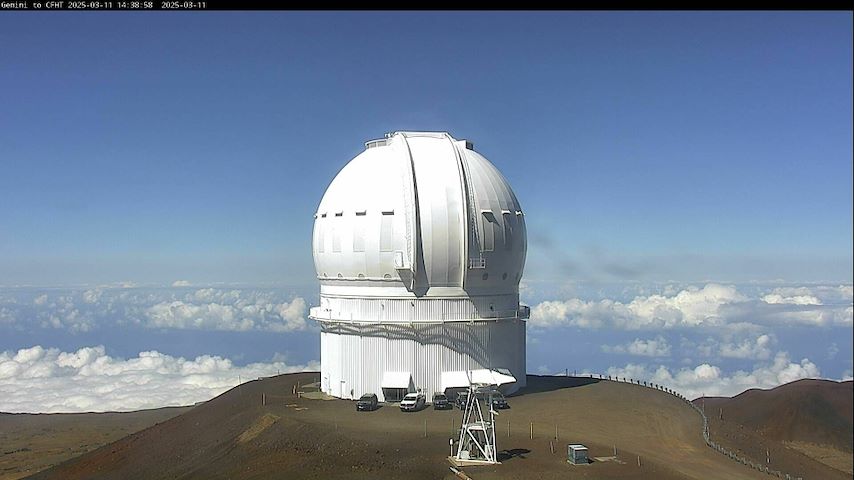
803, 428
261, 430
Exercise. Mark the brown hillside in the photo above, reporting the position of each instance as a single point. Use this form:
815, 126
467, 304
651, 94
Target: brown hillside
805, 427
235, 436
33, 442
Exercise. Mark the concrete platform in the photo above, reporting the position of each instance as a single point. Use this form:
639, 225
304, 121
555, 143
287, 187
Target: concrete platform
470, 463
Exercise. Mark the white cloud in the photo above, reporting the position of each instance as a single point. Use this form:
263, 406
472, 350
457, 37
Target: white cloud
812, 295
653, 347
710, 380
795, 314
758, 348
93, 295
44, 380
62, 312
83, 310
181, 283
776, 298
832, 350
7, 316
690, 307
710, 306
238, 316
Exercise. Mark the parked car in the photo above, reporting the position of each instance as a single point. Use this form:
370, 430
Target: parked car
367, 401
440, 402
413, 402
462, 399
498, 401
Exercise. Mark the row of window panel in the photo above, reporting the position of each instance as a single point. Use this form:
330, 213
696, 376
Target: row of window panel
386, 235
489, 231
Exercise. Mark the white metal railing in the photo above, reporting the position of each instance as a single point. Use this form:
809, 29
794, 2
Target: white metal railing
326, 315
376, 143
477, 262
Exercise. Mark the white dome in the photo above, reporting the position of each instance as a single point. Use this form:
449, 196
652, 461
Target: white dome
419, 214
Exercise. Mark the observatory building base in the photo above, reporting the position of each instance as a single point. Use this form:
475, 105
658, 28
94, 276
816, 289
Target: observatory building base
392, 359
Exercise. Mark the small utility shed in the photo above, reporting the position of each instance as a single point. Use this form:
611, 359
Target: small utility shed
576, 454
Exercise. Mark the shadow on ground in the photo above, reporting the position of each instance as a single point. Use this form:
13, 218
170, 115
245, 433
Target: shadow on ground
505, 455
537, 384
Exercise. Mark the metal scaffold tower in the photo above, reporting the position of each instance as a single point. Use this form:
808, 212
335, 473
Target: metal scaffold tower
477, 434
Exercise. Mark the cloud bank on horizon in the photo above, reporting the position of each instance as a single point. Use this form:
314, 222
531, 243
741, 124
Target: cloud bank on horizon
713, 305
710, 339
709, 380
46, 380
712, 323
83, 310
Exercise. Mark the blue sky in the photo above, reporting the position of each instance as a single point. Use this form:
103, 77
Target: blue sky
653, 152
163, 146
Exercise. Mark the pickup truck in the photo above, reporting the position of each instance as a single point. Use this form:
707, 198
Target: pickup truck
412, 402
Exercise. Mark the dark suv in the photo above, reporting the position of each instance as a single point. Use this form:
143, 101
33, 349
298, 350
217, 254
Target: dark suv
440, 402
498, 401
368, 402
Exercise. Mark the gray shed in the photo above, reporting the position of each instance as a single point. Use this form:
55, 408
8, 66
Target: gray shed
576, 454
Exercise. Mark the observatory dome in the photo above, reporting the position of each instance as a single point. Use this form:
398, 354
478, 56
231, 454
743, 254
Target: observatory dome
419, 245
419, 214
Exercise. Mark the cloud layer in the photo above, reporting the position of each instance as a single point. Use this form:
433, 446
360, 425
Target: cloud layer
84, 310
44, 380
235, 313
654, 347
711, 306
713, 338
710, 380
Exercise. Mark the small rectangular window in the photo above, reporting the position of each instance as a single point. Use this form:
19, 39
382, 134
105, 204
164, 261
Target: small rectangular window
336, 239
336, 232
386, 231
359, 233
488, 231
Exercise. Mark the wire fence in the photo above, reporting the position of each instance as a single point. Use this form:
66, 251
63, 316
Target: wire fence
733, 455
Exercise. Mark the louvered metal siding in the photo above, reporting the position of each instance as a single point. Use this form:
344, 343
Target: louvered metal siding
359, 355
